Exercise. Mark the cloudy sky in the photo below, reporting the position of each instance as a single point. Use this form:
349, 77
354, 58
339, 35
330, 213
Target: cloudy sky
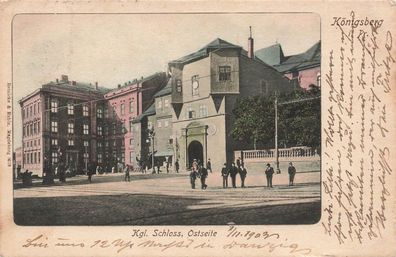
114, 48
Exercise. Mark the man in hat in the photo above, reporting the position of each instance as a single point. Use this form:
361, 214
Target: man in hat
233, 173
292, 172
224, 174
268, 173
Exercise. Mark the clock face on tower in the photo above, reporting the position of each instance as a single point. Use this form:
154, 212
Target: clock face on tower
195, 84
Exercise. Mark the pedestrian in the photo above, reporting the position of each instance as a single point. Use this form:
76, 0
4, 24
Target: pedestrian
127, 169
177, 166
292, 173
209, 166
195, 165
193, 177
203, 173
62, 173
269, 172
158, 167
167, 166
48, 176
233, 173
238, 162
224, 173
91, 171
243, 173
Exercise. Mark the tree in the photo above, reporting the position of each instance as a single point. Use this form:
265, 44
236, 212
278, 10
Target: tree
298, 123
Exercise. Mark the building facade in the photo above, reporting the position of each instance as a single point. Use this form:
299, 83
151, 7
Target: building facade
205, 87
303, 70
126, 103
60, 122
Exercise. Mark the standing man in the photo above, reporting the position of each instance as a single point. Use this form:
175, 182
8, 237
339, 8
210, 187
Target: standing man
209, 165
243, 173
167, 166
233, 173
268, 173
292, 173
90, 171
193, 177
127, 170
203, 173
177, 166
238, 162
224, 174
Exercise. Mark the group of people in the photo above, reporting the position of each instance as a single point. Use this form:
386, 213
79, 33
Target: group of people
199, 171
269, 172
232, 172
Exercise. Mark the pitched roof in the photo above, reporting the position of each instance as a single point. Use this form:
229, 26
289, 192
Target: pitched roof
272, 55
78, 86
165, 90
218, 43
148, 112
142, 80
309, 58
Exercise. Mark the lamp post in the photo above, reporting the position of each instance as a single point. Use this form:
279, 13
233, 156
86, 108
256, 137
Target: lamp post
151, 135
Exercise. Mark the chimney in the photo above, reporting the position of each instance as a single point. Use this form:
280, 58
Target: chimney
96, 85
65, 78
119, 85
250, 45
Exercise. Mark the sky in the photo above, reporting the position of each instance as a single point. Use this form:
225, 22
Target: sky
115, 48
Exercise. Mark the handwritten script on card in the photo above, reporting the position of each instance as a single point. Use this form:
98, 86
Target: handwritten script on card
235, 238
356, 129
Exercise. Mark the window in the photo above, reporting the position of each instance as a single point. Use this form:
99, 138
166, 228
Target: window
178, 86
106, 112
31, 129
131, 107
99, 144
122, 107
100, 158
85, 129
114, 128
100, 132
54, 126
54, 142
195, 85
85, 110
70, 128
86, 157
131, 157
38, 157
54, 157
123, 127
54, 105
70, 108
99, 112
203, 110
166, 103
224, 73
38, 126
70, 142
34, 108
159, 103
122, 156
159, 124
190, 114
130, 126
166, 123
86, 143
35, 157
131, 141
38, 107
31, 112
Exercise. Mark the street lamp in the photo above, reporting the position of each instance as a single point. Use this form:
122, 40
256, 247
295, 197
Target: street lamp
151, 135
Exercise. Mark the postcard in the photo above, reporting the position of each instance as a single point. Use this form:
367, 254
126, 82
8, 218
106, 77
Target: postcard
198, 128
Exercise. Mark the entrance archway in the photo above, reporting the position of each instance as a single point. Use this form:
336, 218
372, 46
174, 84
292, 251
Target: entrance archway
195, 151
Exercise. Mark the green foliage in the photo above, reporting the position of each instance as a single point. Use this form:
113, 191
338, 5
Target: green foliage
298, 123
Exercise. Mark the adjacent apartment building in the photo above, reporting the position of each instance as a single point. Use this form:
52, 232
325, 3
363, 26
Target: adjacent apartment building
77, 123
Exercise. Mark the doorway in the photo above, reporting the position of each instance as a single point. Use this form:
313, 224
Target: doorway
195, 151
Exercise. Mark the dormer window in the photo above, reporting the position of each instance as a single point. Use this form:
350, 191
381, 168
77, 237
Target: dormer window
224, 73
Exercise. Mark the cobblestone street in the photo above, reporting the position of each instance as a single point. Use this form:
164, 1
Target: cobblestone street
167, 199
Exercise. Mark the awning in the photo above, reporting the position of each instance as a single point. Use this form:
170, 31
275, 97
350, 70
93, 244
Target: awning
163, 153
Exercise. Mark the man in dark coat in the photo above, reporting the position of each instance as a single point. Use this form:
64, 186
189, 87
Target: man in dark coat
193, 177
269, 172
91, 170
238, 162
292, 172
224, 173
243, 173
233, 173
127, 170
177, 166
203, 173
209, 166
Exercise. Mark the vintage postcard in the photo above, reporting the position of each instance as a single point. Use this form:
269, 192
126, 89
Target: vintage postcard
198, 129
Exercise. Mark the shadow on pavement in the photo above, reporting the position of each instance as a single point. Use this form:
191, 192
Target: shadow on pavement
145, 209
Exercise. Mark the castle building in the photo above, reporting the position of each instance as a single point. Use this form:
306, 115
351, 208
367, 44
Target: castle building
205, 87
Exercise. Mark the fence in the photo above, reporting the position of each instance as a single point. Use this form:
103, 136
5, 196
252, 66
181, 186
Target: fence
284, 154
